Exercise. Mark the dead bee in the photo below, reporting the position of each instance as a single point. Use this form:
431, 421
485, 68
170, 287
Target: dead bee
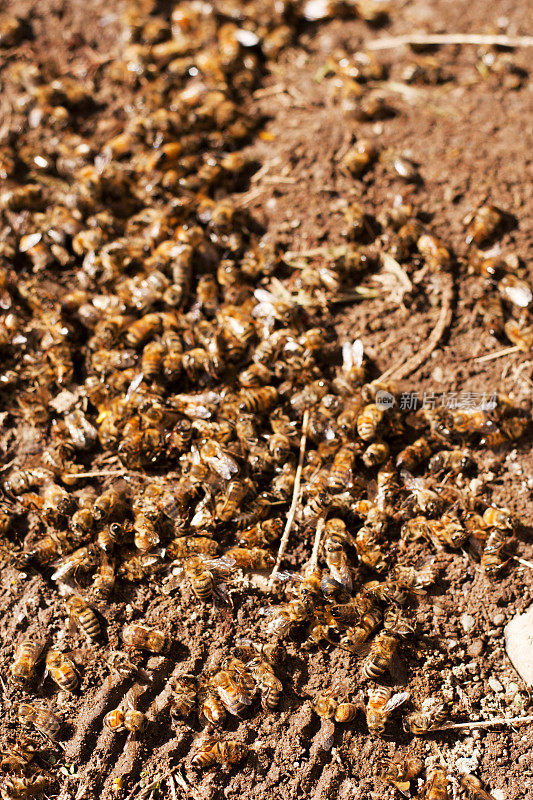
521, 336
261, 667
234, 685
360, 157
435, 713
27, 655
381, 703
331, 707
141, 637
218, 751
20, 481
414, 454
104, 581
434, 251
335, 540
82, 616
400, 771
492, 559
454, 461
119, 662
341, 475
436, 787
210, 707
483, 224
44, 720
474, 788
81, 559
205, 574
129, 718
253, 558
369, 421
383, 649
183, 697
61, 670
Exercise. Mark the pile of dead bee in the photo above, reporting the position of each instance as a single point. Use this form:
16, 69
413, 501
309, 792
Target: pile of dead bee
189, 363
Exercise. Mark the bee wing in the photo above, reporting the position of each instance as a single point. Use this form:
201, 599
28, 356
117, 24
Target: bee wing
221, 596
344, 577
410, 481
395, 701
223, 465
326, 734
229, 698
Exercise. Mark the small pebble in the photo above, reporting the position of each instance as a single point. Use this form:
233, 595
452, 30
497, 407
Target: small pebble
475, 648
495, 684
499, 619
467, 621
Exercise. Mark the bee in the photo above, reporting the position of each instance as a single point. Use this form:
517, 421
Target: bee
82, 434
61, 670
44, 720
253, 558
436, 787
183, 697
381, 703
341, 475
434, 251
375, 454
483, 225
129, 718
521, 336
234, 494
414, 454
492, 558
218, 751
22, 480
383, 649
279, 446
474, 787
368, 544
25, 786
217, 459
428, 501
288, 615
82, 523
420, 722
209, 706
234, 685
26, 657
369, 421
360, 157
145, 535
400, 771
81, 559
331, 707
414, 580
492, 313
454, 461
119, 662
152, 360
141, 637
45, 549
82, 616
57, 502
261, 534
515, 291
335, 555
104, 581
498, 517
255, 375
258, 400
261, 668
143, 329
204, 574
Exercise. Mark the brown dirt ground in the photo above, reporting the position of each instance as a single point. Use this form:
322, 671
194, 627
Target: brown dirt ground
470, 137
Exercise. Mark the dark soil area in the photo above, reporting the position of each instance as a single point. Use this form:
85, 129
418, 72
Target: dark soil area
470, 136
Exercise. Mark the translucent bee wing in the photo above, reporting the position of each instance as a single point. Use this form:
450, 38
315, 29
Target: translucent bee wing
395, 701
326, 734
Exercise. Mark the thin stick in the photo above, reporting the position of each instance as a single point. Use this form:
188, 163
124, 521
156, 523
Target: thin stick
523, 561
172, 787
486, 723
99, 473
295, 498
402, 370
316, 545
498, 354
499, 40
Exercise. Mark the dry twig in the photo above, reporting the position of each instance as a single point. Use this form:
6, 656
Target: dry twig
498, 354
485, 723
407, 367
388, 42
295, 498
523, 561
316, 545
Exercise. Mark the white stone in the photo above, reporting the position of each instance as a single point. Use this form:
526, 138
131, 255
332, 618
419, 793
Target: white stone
519, 644
468, 622
495, 684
